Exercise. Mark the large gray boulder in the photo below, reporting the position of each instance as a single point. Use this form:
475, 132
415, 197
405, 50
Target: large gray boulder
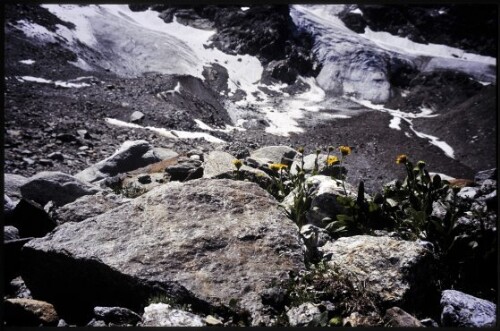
398, 272
211, 243
323, 192
323, 169
55, 186
464, 310
130, 156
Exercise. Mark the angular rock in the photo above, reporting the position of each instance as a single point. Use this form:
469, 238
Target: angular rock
464, 310
429, 322
397, 317
12, 186
55, 186
96, 323
136, 116
117, 315
161, 153
438, 210
10, 233
357, 320
323, 192
261, 157
488, 186
161, 314
29, 312
303, 314
210, 320
130, 156
206, 242
398, 272
220, 165
18, 289
184, 170
481, 176
86, 207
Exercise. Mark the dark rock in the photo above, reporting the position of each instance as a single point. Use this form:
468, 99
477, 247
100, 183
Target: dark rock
184, 169
8, 207
281, 71
117, 315
66, 137
464, 310
397, 317
117, 257
46, 162
56, 156
144, 179
31, 219
12, 259
481, 176
275, 297
29, 312
55, 186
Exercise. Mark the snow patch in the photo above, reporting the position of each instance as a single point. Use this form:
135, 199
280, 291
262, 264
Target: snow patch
29, 61
46, 81
174, 134
244, 8
395, 123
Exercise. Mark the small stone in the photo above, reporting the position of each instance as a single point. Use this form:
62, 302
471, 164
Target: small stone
210, 320
28, 161
29, 312
83, 134
303, 314
146, 179
83, 148
56, 156
136, 116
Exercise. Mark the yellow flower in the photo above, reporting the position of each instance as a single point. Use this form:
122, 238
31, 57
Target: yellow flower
345, 150
402, 158
277, 166
237, 163
332, 160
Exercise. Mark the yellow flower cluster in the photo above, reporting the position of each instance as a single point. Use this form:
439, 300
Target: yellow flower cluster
345, 150
402, 158
332, 160
277, 166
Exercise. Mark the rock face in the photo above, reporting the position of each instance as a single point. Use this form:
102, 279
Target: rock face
55, 186
87, 206
161, 314
130, 156
205, 242
397, 271
463, 310
29, 312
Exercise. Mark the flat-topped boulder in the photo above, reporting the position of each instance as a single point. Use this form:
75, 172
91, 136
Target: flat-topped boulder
214, 243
